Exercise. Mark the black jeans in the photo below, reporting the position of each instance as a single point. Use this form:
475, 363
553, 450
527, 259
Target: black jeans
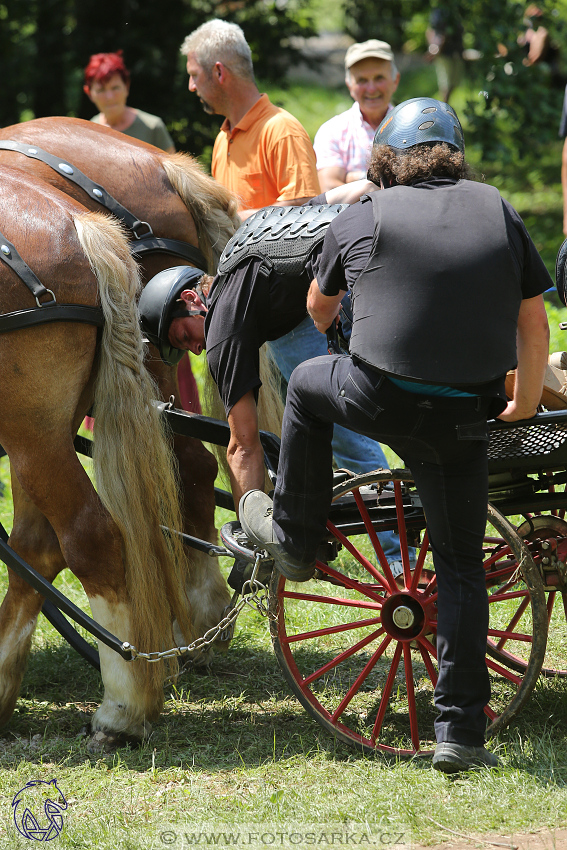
443, 441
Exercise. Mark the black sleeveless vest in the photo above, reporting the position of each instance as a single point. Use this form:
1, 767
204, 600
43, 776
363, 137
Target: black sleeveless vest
439, 298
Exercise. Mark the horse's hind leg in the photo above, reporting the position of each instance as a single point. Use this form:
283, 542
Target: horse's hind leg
36, 543
92, 547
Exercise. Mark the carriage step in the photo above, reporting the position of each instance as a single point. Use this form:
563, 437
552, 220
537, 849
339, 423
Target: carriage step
236, 541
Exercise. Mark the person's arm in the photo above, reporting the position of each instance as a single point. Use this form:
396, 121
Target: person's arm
533, 352
323, 308
564, 185
331, 177
294, 202
244, 453
350, 193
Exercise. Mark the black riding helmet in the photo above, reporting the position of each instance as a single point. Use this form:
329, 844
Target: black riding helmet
418, 121
157, 307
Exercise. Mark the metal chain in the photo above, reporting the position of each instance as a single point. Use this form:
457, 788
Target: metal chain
255, 597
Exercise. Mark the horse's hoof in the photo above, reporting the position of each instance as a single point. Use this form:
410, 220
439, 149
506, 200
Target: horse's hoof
107, 742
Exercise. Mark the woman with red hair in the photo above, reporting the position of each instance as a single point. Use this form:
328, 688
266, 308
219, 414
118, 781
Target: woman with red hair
107, 84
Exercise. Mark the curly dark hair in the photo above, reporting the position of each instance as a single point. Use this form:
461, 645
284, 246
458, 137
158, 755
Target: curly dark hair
418, 163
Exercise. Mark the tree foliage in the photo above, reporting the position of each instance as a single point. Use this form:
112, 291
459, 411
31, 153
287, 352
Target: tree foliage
46, 44
515, 106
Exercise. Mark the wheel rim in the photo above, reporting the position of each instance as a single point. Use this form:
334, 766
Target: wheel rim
359, 652
546, 535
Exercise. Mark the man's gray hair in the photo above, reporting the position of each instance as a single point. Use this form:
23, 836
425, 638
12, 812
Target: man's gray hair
219, 41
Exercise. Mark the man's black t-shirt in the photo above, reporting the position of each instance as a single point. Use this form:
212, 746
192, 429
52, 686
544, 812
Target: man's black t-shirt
348, 243
250, 310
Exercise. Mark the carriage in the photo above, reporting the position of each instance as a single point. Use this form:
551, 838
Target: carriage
364, 668
364, 665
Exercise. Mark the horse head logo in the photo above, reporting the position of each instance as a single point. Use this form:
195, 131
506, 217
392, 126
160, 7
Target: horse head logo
28, 802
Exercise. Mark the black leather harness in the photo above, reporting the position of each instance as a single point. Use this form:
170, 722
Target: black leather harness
146, 243
46, 311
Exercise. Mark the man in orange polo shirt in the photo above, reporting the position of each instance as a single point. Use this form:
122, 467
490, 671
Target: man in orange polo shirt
262, 153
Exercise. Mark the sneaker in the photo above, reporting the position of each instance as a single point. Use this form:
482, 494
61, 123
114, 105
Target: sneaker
452, 758
255, 512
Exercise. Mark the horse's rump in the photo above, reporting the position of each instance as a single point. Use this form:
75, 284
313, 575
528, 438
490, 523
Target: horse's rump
83, 257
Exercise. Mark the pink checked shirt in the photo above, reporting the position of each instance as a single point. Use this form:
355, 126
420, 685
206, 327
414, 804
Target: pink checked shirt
345, 141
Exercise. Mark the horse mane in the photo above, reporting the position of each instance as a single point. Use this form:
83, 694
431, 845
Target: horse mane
134, 465
270, 406
212, 206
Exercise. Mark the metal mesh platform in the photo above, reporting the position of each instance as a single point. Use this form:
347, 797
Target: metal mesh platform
537, 446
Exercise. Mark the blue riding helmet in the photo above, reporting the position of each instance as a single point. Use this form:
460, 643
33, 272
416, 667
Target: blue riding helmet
420, 120
157, 307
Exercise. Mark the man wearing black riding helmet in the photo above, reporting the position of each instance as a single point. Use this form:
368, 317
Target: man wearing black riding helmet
446, 286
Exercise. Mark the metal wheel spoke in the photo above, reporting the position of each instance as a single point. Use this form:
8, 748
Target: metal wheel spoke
388, 582
332, 600
355, 687
423, 549
410, 690
386, 693
331, 630
342, 656
402, 532
362, 560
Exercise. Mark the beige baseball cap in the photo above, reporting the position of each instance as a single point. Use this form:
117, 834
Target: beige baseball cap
368, 49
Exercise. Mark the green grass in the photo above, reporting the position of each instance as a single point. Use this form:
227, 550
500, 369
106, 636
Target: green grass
234, 746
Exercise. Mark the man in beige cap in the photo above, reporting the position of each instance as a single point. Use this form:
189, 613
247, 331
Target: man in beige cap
343, 143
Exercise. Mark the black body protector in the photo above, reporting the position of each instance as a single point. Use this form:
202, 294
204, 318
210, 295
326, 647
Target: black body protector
282, 237
438, 301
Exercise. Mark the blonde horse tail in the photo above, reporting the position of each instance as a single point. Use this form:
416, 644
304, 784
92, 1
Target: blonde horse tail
213, 208
134, 466
270, 405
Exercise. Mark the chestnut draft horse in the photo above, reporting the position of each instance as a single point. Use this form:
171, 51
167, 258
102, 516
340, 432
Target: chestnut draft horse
179, 201
50, 375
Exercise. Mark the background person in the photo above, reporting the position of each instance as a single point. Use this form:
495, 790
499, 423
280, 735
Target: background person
244, 311
107, 85
262, 153
343, 143
445, 39
418, 379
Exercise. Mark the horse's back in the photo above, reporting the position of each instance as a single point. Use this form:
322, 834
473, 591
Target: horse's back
130, 170
38, 220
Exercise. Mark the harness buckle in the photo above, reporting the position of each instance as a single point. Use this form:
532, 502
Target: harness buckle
140, 224
46, 303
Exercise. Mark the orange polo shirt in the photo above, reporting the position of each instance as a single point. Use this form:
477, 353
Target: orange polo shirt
266, 157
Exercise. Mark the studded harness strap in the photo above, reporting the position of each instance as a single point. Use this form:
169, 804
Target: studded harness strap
46, 311
146, 243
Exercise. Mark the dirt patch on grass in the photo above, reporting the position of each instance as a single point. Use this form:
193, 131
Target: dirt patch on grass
543, 839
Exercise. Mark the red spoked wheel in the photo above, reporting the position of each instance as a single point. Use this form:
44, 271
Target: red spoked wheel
359, 651
546, 537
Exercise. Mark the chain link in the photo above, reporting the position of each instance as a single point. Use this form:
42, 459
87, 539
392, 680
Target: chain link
254, 594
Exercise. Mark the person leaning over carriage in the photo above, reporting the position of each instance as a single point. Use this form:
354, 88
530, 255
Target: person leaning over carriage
447, 296
236, 320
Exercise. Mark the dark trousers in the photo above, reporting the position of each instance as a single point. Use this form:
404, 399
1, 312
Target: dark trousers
443, 441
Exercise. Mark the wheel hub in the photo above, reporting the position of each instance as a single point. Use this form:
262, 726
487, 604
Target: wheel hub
403, 617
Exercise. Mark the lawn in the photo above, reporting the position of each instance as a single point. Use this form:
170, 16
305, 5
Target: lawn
234, 752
